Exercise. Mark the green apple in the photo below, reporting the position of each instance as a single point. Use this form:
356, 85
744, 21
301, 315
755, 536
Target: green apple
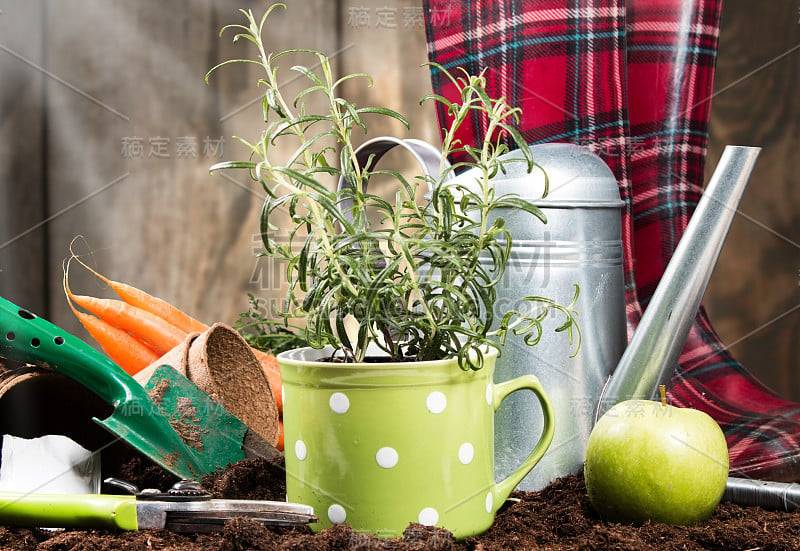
647, 460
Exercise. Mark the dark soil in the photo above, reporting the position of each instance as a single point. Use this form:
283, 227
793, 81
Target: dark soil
558, 517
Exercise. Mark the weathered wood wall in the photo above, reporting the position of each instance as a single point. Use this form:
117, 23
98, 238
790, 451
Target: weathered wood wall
107, 131
754, 295
105, 120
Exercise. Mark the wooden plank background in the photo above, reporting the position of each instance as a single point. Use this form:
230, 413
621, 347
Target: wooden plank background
754, 294
85, 84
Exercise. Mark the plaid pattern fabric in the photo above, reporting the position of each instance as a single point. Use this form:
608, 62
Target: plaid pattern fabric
632, 81
673, 43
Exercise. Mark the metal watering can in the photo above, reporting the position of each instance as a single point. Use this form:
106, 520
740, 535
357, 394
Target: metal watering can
582, 244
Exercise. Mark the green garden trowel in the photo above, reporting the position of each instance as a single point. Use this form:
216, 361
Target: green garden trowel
175, 424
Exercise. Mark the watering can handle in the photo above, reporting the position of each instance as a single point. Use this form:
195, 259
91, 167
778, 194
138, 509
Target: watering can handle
427, 156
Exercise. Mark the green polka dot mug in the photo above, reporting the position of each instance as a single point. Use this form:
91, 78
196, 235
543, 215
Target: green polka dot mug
380, 445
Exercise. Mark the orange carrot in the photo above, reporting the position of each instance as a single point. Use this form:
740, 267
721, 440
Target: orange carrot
268, 361
279, 445
148, 306
154, 332
270, 366
122, 348
156, 306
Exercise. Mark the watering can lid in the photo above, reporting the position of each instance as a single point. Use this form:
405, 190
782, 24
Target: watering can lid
577, 177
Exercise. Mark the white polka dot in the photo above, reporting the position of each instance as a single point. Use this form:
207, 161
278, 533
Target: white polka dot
339, 403
489, 394
436, 402
386, 457
300, 450
489, 502
428, 516
465, 453
336, 514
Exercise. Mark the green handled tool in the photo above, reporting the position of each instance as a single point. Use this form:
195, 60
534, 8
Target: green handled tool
217, 437
176, 510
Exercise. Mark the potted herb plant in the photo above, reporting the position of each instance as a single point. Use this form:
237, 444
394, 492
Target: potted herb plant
391, 423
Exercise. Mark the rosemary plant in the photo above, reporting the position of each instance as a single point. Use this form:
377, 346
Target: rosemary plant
418, 283
264, 332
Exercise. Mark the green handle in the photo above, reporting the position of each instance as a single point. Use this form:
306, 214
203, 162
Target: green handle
28, 338
526, 382
68, 511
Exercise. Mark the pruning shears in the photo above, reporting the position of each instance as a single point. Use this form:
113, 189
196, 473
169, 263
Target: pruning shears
186, 507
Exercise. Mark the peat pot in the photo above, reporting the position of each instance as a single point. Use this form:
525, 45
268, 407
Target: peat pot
380, 445
580, 244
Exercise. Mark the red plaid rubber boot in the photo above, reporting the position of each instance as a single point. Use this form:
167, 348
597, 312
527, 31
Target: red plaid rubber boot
564, 64
674, 42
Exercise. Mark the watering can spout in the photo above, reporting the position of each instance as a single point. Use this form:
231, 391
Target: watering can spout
653, 352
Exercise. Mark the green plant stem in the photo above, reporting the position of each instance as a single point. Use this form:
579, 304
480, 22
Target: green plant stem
301, 136
346, 267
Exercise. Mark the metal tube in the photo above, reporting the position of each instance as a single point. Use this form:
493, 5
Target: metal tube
653, 352
769, 495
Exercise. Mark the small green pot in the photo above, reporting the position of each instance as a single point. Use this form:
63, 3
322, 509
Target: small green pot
380, 445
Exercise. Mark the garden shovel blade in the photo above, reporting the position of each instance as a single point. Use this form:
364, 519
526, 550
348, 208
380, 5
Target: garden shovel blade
136, 418
217, 436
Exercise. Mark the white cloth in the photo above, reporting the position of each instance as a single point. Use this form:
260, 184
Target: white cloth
52, 464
